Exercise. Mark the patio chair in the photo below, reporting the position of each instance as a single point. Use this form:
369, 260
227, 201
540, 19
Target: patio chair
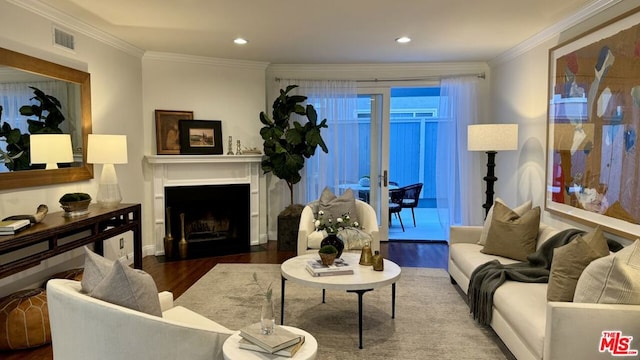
396, 197
410, 198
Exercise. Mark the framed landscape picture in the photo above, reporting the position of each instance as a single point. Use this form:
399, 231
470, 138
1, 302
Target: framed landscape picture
168, 132
593, 168
200, 137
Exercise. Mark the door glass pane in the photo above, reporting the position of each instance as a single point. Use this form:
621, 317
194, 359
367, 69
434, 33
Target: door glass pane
413, 138
414, 123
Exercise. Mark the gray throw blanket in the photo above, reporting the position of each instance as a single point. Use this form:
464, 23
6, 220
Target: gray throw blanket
486, 278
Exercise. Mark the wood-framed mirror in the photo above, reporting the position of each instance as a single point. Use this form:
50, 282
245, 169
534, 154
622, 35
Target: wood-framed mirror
27, 71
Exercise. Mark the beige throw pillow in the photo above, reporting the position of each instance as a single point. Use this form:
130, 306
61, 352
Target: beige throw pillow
570, 260
335, 206
613, 279
134, 289
511, 235
520, 210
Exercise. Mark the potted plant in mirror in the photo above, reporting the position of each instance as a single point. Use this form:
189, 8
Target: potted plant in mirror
328, 254
286, 146
75, 204
48, 116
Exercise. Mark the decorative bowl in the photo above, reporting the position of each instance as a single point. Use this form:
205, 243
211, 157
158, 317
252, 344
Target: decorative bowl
74, 208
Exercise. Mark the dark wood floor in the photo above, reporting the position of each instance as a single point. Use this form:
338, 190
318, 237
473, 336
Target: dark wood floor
178, 276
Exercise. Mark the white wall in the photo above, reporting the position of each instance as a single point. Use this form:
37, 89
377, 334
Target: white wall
116, 97
232, 91
519, 93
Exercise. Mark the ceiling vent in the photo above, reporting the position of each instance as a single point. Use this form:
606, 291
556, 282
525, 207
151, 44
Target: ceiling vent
63, 39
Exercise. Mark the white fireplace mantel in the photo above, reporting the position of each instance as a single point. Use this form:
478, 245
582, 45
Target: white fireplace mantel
193, 170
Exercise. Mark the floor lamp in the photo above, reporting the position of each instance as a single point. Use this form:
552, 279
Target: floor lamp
107, 150
491, 138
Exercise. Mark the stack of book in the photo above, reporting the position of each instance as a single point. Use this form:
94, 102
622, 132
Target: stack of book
339, 267
282, 342
10, 227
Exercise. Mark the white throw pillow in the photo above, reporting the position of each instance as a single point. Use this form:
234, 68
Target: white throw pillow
613, 279
520, 210
315, 238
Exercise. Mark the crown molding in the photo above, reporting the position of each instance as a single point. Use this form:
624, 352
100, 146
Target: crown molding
548, 33
58, 17
366, 67
203, 60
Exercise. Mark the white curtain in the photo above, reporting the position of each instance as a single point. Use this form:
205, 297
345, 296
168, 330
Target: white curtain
458, 190
15, 95
336, 101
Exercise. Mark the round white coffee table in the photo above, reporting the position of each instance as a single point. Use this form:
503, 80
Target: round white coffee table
232, 351
364, 279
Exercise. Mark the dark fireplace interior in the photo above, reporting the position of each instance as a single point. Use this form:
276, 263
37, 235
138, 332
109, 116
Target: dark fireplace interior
216, 219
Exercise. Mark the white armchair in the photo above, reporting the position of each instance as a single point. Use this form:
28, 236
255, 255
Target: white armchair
365, 214
84, 328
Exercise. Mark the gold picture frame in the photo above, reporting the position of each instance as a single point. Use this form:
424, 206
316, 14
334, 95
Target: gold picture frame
168, 130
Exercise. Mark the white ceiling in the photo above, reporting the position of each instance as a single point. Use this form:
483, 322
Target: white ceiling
324, 31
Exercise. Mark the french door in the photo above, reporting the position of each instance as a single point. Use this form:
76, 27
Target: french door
373, 118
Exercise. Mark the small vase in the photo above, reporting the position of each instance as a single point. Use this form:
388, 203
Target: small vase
333, 239
267, 317
378, 261
183, 245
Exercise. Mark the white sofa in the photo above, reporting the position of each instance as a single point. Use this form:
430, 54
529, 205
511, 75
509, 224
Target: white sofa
529, 325
86, 328
366, 215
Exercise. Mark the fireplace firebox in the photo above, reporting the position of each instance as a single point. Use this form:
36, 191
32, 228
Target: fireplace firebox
215, 219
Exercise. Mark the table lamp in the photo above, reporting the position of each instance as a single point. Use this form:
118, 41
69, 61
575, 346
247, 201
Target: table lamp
491, 138
50, 149
107, 150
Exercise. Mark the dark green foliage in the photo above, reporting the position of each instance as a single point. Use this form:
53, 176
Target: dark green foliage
48, 113
72, 197
328, 249
286, 145
48, 116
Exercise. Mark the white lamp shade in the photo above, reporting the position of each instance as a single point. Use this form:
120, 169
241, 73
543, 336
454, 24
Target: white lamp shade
50, 149
107, 149
492, 137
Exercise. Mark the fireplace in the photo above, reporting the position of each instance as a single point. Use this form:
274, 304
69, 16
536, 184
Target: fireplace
214, 219
195, 173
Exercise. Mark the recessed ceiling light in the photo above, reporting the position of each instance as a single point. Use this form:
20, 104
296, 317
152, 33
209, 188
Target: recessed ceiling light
403, 40
240, 41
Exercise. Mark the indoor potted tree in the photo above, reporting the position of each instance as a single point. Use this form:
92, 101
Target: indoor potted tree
286, 146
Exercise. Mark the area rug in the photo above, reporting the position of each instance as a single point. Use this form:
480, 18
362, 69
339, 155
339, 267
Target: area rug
432, 320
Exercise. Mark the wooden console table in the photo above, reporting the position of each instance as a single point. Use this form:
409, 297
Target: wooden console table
57, 234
